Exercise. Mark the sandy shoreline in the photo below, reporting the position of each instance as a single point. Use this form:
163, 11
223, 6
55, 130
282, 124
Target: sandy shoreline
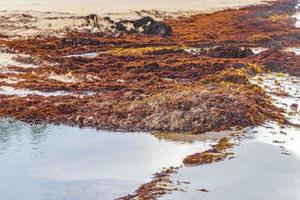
202, 78
36, 17
137, 64
116, 6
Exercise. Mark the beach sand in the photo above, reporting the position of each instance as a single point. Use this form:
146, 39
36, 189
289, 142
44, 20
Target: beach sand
56, 17
83, 7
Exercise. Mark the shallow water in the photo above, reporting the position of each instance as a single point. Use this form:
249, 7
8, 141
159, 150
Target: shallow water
104, 6
265, 166
286, 84
64, 163
258, 171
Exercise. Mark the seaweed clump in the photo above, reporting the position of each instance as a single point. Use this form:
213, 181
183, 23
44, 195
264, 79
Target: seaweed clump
143, 82
216, 103
280, 61
215, 154
160, 185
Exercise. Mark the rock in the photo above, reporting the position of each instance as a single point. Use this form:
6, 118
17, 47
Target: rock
108, 19
143, 22
248, 52
158, 28
92, 20
120, 27
230, 52
145, 25
148, 25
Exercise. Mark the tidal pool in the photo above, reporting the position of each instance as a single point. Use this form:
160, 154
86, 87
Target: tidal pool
44, 162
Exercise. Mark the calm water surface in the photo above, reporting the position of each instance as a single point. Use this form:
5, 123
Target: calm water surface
64, 163
258, 171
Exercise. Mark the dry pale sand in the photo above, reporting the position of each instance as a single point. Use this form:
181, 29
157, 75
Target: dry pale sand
56, 17
83, 7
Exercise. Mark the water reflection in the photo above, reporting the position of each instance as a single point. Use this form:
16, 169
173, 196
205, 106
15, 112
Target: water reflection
38, 133
188, 138
266, 166
12, 135
58, 162
258, 171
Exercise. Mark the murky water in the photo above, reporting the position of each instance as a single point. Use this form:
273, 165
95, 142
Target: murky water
64, 163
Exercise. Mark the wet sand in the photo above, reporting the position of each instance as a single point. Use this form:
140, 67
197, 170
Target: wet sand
266, 159
258, 171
